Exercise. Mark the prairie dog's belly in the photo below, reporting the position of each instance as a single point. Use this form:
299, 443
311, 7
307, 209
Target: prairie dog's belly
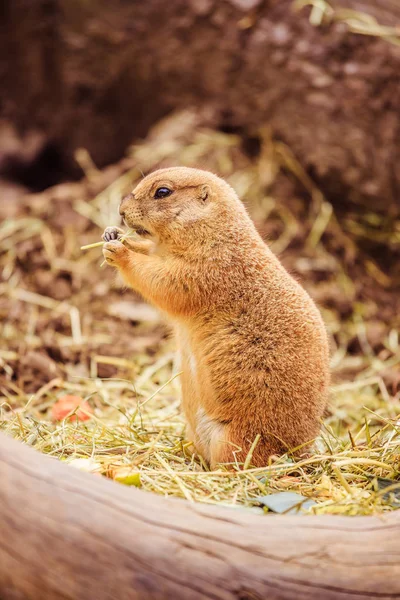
194, 390
189, 368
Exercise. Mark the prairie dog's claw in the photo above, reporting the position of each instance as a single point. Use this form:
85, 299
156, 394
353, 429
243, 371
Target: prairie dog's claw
114, 252
112, 233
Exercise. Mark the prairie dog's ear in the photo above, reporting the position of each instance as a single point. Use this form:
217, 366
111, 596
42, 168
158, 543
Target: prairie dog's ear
204, 192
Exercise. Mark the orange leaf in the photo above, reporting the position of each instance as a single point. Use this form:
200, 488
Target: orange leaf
66, 405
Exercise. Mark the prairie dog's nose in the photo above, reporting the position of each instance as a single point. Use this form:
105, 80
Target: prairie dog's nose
124, 204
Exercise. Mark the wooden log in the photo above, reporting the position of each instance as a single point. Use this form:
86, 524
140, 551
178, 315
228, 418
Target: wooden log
65, 534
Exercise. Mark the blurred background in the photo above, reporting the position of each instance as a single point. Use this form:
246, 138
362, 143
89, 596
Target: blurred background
295, 103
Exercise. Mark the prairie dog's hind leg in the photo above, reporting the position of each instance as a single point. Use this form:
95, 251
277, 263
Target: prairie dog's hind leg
212, 439
228, 445
222, 450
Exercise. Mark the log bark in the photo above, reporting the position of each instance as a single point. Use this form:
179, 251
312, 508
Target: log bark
97, 74
69, 535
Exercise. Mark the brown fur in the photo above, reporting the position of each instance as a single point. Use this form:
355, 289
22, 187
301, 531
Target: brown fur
252, 344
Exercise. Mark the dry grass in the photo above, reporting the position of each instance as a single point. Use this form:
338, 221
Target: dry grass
356, 21
136, 434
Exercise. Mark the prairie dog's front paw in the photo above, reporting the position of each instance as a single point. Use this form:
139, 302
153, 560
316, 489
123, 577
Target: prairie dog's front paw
115, 253
112, 233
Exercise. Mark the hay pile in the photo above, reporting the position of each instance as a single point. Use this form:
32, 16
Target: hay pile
68, 328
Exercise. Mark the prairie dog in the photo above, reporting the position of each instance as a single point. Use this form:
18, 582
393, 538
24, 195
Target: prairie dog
252, 344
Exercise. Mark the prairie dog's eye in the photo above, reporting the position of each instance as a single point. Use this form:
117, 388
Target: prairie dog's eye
162, 192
